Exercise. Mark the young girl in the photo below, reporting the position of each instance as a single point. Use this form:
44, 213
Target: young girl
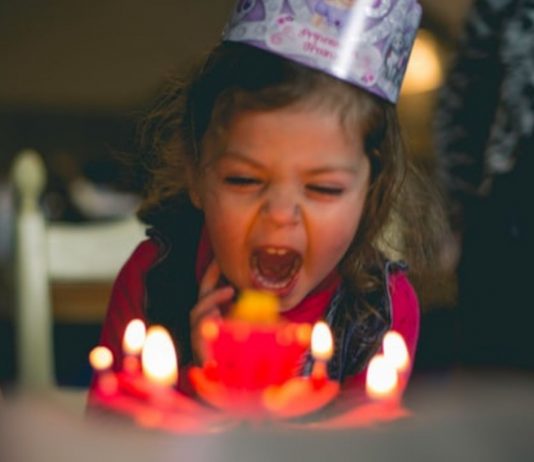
269, 174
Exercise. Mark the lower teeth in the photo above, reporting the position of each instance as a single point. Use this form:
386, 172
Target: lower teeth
270, 284
274, 284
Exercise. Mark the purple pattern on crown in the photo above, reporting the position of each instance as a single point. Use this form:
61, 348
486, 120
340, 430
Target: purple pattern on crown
364, 42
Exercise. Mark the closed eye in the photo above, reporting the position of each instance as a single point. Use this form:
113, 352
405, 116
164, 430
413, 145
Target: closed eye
325, 190
241, 181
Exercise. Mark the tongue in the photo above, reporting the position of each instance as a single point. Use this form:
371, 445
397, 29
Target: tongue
275, 267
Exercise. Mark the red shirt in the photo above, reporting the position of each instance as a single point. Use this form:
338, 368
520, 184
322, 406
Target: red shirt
128, 297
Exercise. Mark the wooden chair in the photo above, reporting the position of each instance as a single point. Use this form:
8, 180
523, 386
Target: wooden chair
61, 269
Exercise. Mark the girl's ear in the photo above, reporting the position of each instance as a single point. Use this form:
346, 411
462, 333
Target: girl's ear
193, 187
194, 196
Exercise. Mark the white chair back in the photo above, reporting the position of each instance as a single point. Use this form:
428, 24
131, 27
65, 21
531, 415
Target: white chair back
55, 252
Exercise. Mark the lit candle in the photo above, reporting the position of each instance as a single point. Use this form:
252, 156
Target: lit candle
302, 395
159, 357
396, 351
382, 379
101, 360
322, 350
132, 345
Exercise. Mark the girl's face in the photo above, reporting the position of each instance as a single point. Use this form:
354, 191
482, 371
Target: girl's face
282, 199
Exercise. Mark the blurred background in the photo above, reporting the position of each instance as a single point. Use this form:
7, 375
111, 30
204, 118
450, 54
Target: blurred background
75, 79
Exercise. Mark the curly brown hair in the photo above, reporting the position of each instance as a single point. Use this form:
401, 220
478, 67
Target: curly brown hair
402, 214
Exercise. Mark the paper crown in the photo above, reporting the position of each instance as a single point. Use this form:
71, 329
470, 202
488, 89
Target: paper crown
364, 42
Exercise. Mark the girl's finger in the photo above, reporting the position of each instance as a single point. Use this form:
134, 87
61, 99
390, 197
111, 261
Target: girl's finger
207, 307
209, 304
210, 279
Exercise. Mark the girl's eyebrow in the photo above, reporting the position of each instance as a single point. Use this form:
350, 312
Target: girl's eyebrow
322, 170
240, 157
333, 169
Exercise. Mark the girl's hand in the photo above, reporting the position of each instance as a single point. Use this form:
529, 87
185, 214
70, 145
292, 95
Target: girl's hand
209, 299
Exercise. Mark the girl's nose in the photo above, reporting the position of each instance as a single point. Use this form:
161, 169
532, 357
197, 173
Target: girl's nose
282, 207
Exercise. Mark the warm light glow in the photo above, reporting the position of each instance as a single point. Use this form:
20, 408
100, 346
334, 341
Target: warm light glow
100, 358
321, 341
303, 334
159, 357
425, 70
257, 307
395, 350
209, 330
382, 378
134, 337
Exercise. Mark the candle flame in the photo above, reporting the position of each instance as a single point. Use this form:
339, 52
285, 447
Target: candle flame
321, 341
100, 358
134, 337
382, 378
159, 357
396, 351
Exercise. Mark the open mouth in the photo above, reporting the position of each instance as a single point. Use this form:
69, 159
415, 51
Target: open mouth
275, 268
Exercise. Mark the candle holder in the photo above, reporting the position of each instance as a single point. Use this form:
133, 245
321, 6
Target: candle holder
253, 370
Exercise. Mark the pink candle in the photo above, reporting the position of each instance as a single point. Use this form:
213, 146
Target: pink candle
132, 345
160, 375
101, 359
322, 350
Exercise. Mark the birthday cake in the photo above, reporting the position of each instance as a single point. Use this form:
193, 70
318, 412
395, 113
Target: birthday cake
252, 374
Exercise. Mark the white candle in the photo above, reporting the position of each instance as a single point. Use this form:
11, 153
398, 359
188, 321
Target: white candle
134, 337
159, 357
396, 351
382, 380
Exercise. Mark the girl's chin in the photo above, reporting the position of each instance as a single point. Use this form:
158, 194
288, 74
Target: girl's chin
289, 304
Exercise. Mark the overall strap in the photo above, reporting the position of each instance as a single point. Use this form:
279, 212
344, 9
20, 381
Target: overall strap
171, 286
357, 332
